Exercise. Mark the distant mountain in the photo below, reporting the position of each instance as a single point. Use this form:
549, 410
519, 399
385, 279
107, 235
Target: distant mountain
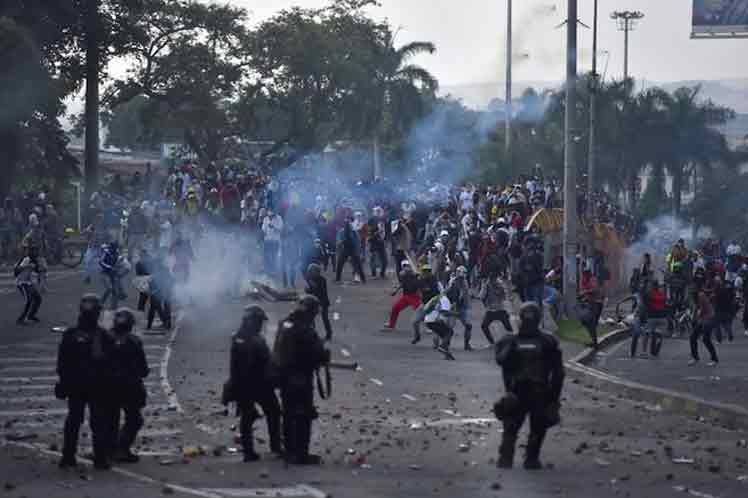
732, 93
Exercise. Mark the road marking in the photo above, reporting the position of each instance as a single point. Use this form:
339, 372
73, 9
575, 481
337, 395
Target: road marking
298, 491
29, 380
169, 392
48, 387
30, 399
409, 397
56, 412
40, 368
127, 473
376, 381
53, 360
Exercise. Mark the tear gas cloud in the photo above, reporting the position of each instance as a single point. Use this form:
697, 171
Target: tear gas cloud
661, 234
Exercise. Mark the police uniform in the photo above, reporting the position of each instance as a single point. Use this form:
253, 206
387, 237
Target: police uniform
85, 380
533, 372
252, 382
299, 353
129, 367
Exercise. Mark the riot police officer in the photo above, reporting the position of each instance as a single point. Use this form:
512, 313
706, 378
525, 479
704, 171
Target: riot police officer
252, 381
129, 367
533, 373
83, 369
299, 353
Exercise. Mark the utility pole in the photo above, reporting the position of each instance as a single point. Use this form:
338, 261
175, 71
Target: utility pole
91, 167
508, 94
626, 20
570, 168
593, 121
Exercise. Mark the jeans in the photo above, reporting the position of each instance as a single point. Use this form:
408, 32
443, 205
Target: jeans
492, 316
535, 293
32, 301
378, 254
270, 253
724, 324
703, 329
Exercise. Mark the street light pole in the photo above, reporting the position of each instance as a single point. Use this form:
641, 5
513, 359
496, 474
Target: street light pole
508, 93
570, 169
626, 20
91, 167
593, 120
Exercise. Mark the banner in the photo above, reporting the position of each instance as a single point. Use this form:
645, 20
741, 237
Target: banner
720, 19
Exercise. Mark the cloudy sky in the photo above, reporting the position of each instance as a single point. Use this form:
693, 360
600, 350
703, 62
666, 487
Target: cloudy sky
469, 35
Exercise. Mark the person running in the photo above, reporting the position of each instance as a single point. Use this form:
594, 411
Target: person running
493, 296
409, 284
24, 273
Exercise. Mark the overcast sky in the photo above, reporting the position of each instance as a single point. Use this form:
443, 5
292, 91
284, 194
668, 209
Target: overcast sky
470, 38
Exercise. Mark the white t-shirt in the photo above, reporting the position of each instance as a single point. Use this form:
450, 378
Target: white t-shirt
443, 305
466, 200
272, 227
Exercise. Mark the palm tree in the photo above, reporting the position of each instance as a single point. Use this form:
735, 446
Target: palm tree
399, 91
692, 139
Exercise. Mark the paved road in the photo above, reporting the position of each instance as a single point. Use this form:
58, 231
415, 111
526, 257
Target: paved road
726, 383
408, 424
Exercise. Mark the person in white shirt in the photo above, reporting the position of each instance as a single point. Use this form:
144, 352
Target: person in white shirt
466, 199
272, 226
438, 311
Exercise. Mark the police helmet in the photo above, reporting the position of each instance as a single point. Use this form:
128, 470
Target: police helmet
124, 319
254, 312
308, 304
90, 303
530, 314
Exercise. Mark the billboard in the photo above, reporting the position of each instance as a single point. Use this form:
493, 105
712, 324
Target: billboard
720, 19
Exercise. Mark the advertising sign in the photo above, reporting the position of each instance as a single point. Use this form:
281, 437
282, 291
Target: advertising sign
720, 19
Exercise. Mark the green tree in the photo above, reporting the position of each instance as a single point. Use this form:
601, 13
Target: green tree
191, 68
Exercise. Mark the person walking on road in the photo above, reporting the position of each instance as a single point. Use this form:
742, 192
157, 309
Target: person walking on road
252, 382
533, 372
704, 325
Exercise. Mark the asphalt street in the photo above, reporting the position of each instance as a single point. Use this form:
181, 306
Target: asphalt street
726, 383
408, 423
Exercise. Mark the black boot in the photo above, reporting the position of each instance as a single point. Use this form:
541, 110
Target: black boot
248, 446
302, 456
532, 455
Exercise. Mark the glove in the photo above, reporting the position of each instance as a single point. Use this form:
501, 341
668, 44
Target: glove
60, 391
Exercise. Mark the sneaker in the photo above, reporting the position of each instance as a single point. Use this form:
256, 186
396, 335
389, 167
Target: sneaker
692, 363
126, 456
445, 352
503, 463
33, 319
468, 347
533, 465
416, 339
20, 322
712, 363
250, 457
387, 327
746, 332
67, 463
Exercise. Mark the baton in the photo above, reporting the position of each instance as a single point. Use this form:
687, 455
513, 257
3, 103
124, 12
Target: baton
343, 366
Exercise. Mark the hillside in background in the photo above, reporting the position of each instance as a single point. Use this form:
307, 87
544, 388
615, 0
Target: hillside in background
730, 93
